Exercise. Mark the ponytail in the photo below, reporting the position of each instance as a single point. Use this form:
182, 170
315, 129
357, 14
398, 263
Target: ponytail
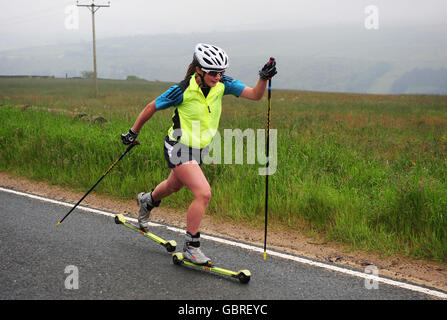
191, 69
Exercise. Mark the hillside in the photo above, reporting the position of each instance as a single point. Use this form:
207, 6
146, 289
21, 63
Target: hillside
341, 59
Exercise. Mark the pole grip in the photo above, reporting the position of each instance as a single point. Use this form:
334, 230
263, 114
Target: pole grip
271, 60
133, 144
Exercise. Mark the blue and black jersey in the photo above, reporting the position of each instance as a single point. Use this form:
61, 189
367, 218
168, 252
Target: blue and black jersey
174, 95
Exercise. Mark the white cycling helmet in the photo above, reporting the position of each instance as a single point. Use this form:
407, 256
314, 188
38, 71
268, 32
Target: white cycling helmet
210, 57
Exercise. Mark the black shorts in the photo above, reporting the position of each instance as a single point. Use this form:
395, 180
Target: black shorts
177, 153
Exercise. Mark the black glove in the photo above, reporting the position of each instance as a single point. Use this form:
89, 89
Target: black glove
129, 137
269, 70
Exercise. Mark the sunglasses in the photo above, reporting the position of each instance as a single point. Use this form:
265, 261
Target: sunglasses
215, 73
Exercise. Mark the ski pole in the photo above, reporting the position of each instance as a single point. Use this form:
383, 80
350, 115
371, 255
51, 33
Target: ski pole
113, 164
268, 160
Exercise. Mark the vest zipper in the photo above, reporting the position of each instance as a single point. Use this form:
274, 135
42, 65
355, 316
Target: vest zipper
209, 109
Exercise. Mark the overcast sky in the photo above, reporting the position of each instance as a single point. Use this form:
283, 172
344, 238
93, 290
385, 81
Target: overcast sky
26, 23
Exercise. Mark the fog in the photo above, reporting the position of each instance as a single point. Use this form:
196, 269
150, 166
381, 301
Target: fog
26, 23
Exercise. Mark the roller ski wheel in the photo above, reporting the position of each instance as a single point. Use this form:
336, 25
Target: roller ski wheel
177, 258
117, 220
170, 245
242, 275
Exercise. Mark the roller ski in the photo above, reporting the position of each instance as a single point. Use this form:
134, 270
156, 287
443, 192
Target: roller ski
242, 275
170, 245
194, 257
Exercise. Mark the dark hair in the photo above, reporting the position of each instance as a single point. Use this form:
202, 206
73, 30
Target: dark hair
191, 68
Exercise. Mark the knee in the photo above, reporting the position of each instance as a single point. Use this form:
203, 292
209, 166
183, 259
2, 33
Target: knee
204, 196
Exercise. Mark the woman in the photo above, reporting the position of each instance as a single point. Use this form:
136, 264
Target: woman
198, 103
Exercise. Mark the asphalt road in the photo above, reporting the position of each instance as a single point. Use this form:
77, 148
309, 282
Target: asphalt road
114, 262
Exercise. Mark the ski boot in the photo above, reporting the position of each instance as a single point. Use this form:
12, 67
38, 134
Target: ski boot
192, 252
146, 203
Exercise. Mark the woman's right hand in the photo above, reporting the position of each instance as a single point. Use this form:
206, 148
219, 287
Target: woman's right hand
129, 137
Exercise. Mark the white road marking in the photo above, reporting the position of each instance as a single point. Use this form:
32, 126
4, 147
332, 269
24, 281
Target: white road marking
403, 285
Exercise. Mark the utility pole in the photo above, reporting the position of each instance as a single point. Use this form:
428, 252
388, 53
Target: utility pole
93, 8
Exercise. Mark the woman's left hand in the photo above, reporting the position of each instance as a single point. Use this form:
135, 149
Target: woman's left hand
269, 70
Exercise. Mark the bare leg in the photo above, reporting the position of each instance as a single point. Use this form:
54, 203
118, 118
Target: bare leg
147, 201
190, 174
167, 187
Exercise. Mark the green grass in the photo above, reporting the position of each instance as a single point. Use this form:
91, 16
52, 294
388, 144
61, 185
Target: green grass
368, 171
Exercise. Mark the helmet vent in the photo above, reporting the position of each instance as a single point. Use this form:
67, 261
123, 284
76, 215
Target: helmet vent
207, 61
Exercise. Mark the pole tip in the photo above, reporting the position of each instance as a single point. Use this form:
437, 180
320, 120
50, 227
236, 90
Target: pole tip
265, 255
58, 224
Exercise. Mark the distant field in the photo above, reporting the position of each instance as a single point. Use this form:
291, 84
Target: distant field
369, 171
